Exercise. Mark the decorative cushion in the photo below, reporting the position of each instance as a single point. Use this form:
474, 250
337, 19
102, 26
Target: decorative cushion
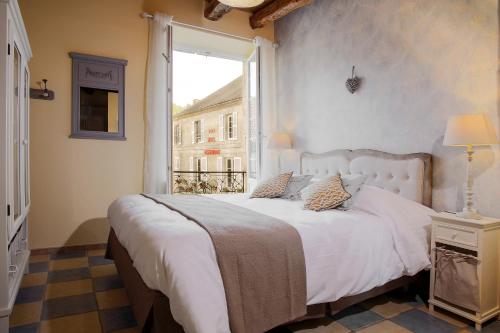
352, 183
272, 188
327, 194
294, 186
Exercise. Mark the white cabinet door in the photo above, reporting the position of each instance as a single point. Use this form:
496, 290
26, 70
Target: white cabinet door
26, 140
18, 133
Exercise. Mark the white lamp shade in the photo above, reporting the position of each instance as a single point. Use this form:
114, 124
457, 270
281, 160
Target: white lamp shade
280, 140
242, 3
470, 130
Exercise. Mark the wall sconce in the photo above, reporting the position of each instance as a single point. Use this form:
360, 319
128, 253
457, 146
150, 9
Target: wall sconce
44, 93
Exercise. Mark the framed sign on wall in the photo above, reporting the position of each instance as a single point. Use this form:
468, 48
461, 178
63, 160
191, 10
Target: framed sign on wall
98, 97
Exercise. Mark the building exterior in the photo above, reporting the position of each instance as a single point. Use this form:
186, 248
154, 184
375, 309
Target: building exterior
209, 142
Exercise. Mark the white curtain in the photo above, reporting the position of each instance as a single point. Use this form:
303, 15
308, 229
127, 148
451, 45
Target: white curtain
157, 147
266, 52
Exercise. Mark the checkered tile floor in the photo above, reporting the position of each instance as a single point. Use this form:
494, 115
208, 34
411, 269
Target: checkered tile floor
80, 291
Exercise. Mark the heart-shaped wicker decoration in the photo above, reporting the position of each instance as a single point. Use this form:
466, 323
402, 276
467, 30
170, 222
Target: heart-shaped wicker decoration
353, 83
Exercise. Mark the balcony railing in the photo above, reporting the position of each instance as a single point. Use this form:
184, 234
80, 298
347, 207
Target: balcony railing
209, 182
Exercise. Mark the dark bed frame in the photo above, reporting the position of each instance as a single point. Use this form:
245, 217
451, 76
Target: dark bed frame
152, 308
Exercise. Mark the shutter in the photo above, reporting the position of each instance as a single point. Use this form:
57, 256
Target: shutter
193, 139
221, 127
180, 134
202, 130
219, 164
204, 168
235, 125
191, 163
237, 164
204, 164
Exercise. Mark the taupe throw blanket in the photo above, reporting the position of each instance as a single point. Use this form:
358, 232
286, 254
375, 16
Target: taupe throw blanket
260, 258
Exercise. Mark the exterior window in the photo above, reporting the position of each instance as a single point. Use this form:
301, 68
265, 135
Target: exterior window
178, 134
229, 170
231, 125
198, 169
201, 164
230, 128
197, 131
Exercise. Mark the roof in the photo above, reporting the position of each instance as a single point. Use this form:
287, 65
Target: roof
231, 92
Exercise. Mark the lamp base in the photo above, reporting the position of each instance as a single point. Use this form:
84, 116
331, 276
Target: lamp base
469, 214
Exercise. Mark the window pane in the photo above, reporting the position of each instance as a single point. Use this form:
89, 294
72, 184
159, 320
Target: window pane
98, 110
16, 134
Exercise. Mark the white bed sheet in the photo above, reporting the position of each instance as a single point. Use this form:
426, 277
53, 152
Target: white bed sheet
346, 253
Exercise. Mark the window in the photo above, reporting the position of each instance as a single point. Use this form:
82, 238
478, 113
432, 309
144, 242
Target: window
197, 131
229, 170
231, 125
201, 167
178, 134
198, 169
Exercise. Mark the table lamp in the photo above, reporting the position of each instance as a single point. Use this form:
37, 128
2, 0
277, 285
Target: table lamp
280, 141
468, 131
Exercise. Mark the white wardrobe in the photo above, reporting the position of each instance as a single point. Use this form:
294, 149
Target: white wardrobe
15, 200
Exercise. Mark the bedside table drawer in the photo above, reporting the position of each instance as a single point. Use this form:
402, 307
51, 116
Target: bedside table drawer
456, 235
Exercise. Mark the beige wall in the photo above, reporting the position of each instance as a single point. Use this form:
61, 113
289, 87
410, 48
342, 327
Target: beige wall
74, 181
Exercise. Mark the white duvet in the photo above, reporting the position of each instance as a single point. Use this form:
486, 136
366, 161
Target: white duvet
382, 238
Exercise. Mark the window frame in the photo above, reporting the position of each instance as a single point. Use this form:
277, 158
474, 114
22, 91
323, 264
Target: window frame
106, 74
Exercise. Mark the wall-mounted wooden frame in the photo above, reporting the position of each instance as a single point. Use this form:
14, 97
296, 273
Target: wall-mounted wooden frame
98, 97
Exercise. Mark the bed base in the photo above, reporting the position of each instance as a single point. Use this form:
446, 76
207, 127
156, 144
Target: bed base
152, 308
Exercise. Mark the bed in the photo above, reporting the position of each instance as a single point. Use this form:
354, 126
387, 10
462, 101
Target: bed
193, 293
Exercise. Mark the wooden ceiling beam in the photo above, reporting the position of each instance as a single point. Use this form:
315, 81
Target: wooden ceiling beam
275, 10
214, 10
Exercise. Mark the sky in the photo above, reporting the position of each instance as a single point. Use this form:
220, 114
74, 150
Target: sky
197, 76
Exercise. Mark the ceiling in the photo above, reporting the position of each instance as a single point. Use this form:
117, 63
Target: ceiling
267, 12
253, 9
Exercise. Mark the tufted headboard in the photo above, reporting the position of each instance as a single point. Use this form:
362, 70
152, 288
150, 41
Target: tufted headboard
409, 175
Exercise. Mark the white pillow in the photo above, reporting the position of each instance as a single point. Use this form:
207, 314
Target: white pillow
295, 185
352, 183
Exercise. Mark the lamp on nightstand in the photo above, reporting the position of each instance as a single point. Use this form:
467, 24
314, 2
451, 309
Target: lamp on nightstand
468, 131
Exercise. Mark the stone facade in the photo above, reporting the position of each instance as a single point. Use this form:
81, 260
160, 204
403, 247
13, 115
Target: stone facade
210, 135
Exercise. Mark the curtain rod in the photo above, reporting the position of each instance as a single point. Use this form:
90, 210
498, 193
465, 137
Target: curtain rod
190, 26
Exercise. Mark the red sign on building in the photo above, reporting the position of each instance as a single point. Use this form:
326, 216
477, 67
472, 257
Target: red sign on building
212, 151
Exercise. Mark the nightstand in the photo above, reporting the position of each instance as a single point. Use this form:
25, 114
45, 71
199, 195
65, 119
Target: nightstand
465, 268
